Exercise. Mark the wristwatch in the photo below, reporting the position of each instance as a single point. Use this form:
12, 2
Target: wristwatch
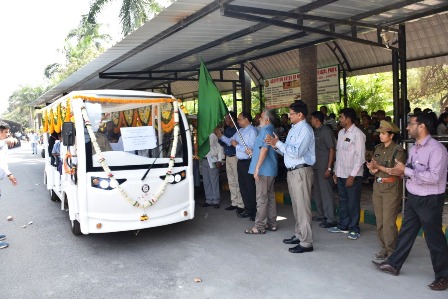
329, 168
9, 175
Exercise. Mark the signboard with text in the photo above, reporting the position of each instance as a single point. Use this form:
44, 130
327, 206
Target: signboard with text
138, 138
282, 91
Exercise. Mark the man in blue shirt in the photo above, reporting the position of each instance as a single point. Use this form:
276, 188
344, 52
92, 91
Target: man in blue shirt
264, 169
231, 166
246, 181
299, 155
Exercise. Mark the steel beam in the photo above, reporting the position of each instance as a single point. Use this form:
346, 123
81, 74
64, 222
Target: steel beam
288, 25
301, 16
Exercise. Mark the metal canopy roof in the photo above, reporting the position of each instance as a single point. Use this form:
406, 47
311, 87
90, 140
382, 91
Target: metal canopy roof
170, 45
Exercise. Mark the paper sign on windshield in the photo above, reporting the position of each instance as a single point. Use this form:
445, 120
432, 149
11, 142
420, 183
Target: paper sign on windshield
138, 138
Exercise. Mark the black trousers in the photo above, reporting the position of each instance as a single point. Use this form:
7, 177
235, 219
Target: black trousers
247, 187
426, 212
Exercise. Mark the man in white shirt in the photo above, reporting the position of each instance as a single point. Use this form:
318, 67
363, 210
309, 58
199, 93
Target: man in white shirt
4, 170
33, 140
210, 165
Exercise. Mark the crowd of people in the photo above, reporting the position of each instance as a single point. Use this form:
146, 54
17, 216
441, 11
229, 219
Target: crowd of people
328, 154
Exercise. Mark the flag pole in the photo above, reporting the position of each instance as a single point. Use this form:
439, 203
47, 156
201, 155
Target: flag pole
239, 133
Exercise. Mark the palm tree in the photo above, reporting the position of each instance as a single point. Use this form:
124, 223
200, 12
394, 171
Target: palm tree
133, 13
81, 45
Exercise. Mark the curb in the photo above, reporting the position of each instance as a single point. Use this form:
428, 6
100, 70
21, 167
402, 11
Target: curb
366, 216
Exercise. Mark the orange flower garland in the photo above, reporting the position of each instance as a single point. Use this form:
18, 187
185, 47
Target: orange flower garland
124, 100
51, 122
67, 111
58, 125
45, 128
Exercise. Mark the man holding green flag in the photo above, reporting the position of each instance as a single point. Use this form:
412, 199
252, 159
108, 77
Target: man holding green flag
211, 110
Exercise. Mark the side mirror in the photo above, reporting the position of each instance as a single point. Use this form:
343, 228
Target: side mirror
68, 133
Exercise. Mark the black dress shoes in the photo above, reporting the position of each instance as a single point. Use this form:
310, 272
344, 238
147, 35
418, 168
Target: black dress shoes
231, 208
244, 215
252, 218
386, 268
292, 240
317, 218
239, 210
328, 224
205, 205
300, 249
216, 206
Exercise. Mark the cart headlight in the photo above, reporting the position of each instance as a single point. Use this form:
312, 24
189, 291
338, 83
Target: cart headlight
105, 183
175, 177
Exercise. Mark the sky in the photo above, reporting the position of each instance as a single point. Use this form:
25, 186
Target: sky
32, 31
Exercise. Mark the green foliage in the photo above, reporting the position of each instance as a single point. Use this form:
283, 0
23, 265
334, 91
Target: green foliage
19, 109
81, 46
369, 93
428, 87
133, 13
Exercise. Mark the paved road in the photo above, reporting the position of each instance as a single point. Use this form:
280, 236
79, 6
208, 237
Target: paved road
46, 261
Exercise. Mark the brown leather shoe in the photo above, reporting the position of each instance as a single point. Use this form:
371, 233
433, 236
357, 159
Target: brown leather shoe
440, 284
386, 268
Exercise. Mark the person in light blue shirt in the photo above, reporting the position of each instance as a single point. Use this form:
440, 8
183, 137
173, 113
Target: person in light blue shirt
246, 181
264, 169
299, 155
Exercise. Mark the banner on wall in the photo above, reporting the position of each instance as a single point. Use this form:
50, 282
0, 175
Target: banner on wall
282, 91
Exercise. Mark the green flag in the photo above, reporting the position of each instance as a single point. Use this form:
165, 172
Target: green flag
211, 109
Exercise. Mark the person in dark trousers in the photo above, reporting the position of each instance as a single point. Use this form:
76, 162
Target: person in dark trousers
323, 181
348, 171
425, 173
51, 141
246, 180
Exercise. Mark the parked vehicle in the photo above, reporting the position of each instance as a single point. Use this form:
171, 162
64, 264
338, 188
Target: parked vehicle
125, 160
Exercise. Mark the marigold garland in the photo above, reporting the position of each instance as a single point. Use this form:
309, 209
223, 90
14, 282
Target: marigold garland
67, 111
58, 124
69, 170
124, 100
45, 128
51, 122
146, 203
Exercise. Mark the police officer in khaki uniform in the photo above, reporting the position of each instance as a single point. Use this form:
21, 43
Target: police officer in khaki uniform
387, 190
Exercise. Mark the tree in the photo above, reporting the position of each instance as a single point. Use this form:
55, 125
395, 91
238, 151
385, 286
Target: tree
369, 93
133, 13
81, 46
20, 109
428, 87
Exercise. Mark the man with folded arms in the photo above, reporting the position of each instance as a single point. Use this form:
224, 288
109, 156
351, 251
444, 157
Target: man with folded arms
299, 155
425, 173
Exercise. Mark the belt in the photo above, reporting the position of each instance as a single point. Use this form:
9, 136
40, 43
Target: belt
244, 159
230, 156
298, 166
391, 179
